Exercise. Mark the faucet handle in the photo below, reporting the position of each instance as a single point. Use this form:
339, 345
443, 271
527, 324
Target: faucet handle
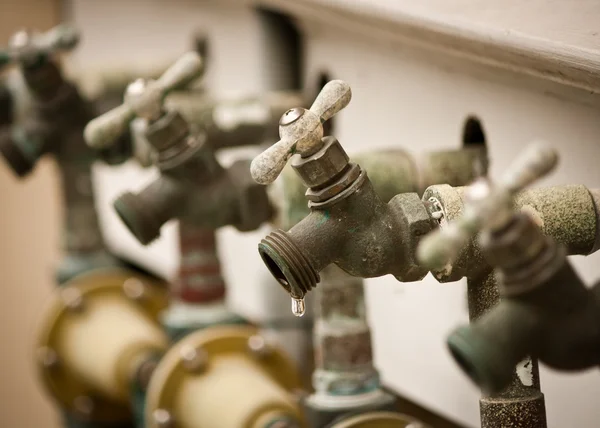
536, 161
334, 96
183, 71
487, 206
27, 47
143, 98
301, 131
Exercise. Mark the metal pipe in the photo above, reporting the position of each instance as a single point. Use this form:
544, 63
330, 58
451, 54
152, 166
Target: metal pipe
342, 338
95, 333
521, 404
198, 293
345, 379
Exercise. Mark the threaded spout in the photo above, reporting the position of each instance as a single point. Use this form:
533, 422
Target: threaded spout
286, 262
136, 218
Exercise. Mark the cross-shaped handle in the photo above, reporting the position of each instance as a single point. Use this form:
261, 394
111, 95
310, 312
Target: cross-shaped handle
300, 131
143, 98
487, 206
28, 47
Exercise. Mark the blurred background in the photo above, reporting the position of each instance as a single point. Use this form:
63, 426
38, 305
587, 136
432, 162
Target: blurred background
405, 93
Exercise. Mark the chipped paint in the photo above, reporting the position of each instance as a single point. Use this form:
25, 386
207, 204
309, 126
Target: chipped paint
525, 372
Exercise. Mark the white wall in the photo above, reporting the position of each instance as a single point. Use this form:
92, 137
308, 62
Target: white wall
400, 98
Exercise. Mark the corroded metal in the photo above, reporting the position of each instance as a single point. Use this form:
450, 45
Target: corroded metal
380, 245
199, 279
568, 213
192, 187
489, 206
391, 171
349, 224
520, 404
54, 125
342, 338
545, 310
344, 378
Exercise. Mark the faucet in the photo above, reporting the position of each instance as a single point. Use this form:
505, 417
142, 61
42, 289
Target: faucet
568, 213
348, 225
54, 126
546, 310
193, 186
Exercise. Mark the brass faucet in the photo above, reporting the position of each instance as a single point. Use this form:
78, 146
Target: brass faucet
546, 310
569, 214
193, 186
349, 225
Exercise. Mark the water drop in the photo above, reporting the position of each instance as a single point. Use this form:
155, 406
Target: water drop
298, 307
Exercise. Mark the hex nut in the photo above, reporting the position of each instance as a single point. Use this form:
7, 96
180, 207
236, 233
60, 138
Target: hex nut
326, 164
341, 184
416, 222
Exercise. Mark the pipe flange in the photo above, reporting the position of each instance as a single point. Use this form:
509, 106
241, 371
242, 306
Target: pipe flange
206, 345
379, 420
68, 302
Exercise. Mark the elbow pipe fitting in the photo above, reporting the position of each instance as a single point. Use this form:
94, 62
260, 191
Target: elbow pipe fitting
546, 311
146, 212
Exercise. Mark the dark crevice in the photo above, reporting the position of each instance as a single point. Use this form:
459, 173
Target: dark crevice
473, 134
286, 48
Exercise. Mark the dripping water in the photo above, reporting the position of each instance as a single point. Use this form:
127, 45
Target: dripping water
298, 307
